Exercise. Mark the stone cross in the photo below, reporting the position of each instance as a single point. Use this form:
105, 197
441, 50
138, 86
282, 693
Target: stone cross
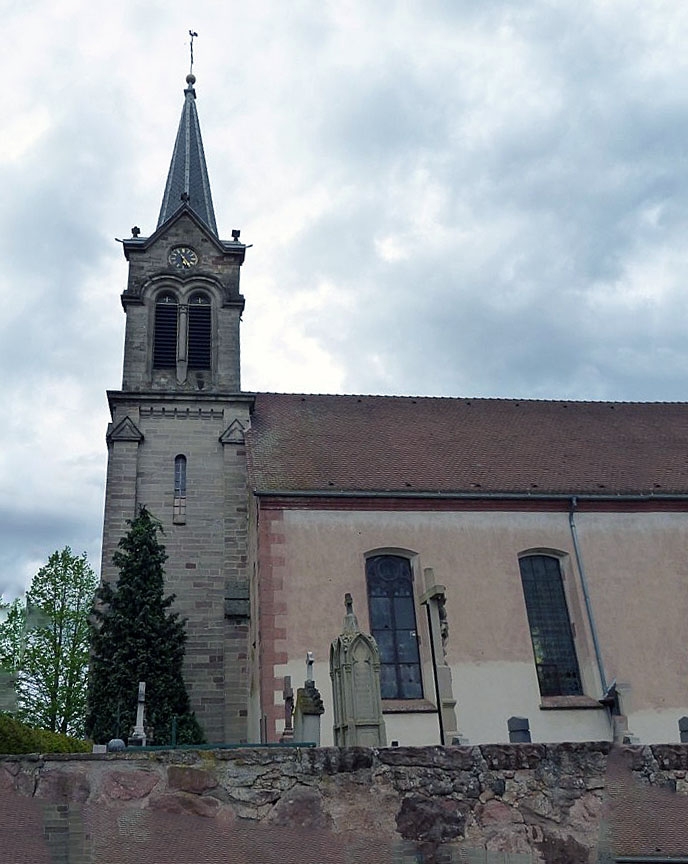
138, 735
350, 619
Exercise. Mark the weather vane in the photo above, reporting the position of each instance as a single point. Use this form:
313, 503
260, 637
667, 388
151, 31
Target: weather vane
192, 34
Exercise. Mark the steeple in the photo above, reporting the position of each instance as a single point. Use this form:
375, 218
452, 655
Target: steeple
187, 181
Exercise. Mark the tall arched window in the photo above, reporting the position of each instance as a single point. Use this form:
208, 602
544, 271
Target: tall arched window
179, 508
393, 624
199, 331
165, 342
550, 626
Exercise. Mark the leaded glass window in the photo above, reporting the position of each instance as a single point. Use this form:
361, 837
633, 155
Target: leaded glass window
393, 624
180, 486
550, 626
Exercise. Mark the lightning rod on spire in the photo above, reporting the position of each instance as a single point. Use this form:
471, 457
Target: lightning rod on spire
193, 35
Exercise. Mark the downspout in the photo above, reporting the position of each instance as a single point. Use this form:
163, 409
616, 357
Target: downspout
435, 676
586, 595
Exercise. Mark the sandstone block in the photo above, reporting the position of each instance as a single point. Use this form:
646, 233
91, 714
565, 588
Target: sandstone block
128, 785
63, 786
186, 779
300, 807
184, 803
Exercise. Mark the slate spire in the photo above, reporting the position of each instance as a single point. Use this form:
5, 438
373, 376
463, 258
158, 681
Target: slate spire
187, 181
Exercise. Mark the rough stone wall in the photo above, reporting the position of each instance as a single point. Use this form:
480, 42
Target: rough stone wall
492, 804
561, 804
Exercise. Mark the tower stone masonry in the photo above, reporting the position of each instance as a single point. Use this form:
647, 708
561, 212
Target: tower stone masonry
176, 440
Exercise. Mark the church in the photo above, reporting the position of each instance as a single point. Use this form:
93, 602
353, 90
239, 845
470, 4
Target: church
515, 560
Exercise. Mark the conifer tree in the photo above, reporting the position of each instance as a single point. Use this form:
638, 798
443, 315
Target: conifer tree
136, 638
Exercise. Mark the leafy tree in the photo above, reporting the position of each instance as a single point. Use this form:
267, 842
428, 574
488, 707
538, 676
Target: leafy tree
53, 672
44, 645
135, 638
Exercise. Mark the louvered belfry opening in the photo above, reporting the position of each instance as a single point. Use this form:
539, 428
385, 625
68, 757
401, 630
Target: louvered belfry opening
199, 332
165, 343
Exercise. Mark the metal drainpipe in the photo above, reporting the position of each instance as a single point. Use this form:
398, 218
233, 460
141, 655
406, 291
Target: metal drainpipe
440, 721
586, 595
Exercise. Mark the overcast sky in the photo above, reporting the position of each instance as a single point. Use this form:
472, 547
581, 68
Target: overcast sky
444, 197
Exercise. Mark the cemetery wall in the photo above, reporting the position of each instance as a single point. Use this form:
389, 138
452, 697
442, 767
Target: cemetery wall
493, 803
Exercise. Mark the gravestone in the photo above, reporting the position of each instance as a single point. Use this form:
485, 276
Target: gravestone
309, 708
355, 674
288, 696
683, 729
519, 730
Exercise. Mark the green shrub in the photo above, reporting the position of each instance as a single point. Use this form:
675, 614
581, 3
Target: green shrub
16, 737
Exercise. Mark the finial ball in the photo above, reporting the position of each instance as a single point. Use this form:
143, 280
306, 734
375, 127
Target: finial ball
190, 79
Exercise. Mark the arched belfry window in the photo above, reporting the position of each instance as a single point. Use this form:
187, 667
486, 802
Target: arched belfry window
550, 626
393, 624
199, 331
179, 510
165, 342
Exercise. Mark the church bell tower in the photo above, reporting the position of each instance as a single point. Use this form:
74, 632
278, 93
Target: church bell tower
176, 440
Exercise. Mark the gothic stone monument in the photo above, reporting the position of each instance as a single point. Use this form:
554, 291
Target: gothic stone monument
355, 674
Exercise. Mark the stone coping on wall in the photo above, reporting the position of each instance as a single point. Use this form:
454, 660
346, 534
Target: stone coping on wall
436, 755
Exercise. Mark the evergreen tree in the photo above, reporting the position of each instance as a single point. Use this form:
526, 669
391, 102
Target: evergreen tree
135, 638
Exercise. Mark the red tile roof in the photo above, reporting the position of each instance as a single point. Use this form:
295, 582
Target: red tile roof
419, 444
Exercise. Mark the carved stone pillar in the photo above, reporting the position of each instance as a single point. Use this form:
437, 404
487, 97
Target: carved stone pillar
434, 600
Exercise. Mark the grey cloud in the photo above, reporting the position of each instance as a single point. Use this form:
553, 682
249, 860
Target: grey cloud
524, 157
33, 536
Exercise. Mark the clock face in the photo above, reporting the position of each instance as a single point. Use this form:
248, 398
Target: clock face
183, 258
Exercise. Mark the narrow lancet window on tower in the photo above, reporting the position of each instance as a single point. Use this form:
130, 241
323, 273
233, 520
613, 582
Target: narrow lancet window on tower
199, 332
165, 344
179, 507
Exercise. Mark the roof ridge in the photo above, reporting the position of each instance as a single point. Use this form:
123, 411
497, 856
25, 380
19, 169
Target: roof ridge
504, 399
